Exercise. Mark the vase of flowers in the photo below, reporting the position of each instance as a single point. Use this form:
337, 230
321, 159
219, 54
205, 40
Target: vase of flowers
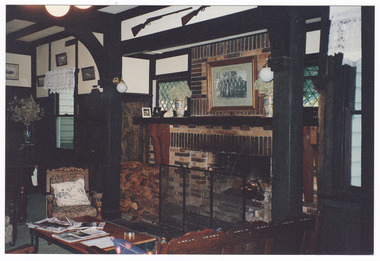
25, 110
179, 93
266, 89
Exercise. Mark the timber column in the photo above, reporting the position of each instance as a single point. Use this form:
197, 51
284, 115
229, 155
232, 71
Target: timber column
112, 139
287, 37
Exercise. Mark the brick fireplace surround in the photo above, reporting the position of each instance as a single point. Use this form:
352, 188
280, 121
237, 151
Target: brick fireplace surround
222, 148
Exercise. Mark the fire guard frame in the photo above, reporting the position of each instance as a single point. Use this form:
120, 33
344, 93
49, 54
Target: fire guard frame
183, 211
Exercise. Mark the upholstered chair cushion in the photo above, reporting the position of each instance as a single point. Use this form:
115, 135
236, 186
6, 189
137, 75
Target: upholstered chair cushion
73, 211
70, 193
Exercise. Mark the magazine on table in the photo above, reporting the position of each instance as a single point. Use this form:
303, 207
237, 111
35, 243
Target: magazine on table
80, 234
50, 224
56, 225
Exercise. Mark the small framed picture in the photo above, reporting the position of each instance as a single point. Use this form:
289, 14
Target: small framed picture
146, 112
88, 73
157, 112
61, 59
40, 80
11, 71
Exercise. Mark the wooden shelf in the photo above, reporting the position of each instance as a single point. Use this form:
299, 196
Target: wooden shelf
210, 120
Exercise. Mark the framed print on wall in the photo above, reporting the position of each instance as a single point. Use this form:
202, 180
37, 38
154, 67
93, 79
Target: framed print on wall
40, 80
88, 73
11, 71
61, 59
230, 84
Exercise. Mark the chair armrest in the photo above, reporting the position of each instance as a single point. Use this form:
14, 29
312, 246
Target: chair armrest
96, 202
49, 205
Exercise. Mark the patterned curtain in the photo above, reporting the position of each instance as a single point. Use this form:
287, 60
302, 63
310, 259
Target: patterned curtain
345, 34
60, 80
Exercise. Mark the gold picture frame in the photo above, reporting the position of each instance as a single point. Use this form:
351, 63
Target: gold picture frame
230, 84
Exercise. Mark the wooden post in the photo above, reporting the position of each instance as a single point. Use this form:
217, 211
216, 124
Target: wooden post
287, 36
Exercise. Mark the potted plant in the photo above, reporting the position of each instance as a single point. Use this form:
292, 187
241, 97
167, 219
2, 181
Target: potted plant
179, 93
25, 110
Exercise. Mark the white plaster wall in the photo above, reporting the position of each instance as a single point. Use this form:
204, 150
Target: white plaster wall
42, 67
135, 73
172, 64
85, 60
25, 70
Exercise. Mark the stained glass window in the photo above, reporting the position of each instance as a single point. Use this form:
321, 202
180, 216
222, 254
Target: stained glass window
163, 95
310, 94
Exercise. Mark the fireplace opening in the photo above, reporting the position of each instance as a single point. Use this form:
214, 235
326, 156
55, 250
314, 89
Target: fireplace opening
193, 199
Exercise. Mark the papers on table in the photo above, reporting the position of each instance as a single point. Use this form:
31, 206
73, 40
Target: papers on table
56, 225
50, 224
103, 242
79, 234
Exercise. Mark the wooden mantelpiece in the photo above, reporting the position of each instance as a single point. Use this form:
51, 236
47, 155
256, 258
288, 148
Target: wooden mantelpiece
266, 122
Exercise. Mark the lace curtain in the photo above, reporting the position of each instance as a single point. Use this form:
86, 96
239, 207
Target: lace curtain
60, 80
345, 34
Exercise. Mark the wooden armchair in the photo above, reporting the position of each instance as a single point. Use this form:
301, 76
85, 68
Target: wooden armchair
296, 235
66, 176
207, 241
250, 238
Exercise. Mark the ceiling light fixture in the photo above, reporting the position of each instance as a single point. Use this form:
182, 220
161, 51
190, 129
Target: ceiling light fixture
83, 6
57, 10
266, 74
121, 86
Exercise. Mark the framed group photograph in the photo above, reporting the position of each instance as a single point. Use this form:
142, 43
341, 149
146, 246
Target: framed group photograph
40, 80
146, 112
88, 73
11, 71
61, 59
230, 84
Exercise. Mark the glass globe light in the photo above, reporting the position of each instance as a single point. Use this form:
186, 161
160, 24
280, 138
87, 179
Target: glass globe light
121, 87
266, 74
57, 10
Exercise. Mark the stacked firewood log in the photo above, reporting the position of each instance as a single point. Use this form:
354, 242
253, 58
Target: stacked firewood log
139, 191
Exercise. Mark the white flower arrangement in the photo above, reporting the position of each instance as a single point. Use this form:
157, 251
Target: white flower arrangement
25, 110
265, 88
180, 91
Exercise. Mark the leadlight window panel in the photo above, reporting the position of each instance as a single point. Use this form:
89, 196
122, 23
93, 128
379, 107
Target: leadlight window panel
310, 94
163, 95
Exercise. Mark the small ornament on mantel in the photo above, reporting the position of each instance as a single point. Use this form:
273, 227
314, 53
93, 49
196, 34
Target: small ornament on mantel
169, 114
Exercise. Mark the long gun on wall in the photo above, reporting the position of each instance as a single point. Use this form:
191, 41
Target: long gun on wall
138, 28
189, 16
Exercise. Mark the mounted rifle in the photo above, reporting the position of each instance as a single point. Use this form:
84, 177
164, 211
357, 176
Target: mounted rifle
138, 28
189, 16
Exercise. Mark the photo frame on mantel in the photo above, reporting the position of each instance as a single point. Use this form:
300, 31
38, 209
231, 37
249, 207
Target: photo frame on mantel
230, 84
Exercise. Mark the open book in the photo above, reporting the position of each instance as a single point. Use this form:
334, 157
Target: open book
80, 234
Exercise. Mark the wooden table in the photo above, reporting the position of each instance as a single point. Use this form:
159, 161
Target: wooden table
113, 230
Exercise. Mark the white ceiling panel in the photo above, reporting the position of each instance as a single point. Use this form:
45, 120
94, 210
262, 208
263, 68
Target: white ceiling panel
41, 34
16, 24
115, 9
